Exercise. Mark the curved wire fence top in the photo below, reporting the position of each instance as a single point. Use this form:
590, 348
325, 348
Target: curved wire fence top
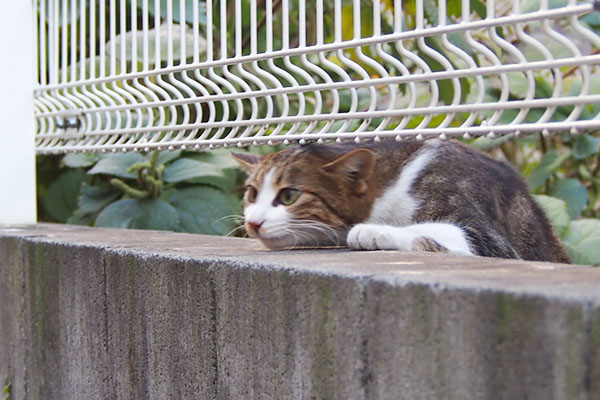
157, 74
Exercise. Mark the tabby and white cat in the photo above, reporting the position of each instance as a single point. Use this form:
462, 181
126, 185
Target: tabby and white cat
413, 196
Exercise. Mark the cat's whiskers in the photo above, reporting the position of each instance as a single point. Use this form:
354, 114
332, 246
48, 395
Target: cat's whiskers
307, 233
277, 228
301, 238
237, 218
310, 234
236, 229
310, 238
332, 234
295, 236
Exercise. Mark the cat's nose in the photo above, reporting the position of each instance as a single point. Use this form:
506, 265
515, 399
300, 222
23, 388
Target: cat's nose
255, 225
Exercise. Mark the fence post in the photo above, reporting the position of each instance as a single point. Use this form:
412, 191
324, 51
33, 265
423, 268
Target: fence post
17, 125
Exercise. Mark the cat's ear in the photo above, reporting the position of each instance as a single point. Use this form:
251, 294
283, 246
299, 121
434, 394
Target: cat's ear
246, 160
357, 164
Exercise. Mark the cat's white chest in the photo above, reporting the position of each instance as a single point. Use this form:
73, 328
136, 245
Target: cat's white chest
397, 206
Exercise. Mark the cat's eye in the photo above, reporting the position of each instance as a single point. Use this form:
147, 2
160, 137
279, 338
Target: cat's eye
251, 194
288, 196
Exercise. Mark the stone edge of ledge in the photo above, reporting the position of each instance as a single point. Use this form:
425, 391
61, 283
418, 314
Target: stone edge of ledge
439, 272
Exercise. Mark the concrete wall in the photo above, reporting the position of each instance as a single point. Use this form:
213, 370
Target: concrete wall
111, 314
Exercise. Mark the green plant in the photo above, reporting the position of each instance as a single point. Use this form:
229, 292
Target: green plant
6, 391
172, 190
567, 175
580, 236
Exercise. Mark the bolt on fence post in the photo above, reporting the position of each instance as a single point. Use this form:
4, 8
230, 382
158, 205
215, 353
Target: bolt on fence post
17, 124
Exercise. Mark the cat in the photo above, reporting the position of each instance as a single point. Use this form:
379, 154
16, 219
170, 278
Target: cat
434, 195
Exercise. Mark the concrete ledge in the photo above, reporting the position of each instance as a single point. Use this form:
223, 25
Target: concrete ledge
111, 314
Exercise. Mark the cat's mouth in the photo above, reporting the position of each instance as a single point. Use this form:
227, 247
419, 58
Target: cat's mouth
270, 242
306, 237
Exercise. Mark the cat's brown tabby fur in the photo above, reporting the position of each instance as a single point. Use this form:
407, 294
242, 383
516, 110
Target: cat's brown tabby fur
413, 196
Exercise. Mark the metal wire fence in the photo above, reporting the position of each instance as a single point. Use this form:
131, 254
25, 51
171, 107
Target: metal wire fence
121, 75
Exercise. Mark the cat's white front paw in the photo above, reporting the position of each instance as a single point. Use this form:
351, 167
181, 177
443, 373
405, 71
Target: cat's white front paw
378, 237
362, 237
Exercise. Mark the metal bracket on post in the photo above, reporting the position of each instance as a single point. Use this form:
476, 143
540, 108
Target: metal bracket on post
70, 122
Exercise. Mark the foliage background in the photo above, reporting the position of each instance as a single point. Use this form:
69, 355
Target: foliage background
201, 191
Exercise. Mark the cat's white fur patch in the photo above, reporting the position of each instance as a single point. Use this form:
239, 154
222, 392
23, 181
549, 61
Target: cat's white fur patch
274, 219
389, 227
397, 206
385, 237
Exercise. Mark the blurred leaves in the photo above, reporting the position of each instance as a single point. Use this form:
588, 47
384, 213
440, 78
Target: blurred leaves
583, 241
585, 145
550, 162
61, 200
205, 210
196, 192
573, 193
117, 164
161, 45
557, 212
139, 214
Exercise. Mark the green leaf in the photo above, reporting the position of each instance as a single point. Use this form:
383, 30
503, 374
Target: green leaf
77, 160
549, 163
347, 25
446, 91
459, 40
431, 11
93, 199
557, 3
585, 146
205, 210
189, 10
543, 89
163, 34
518, 84
454, 8
584, 173
345, 101
556, 211
139, 214
484, 143
186, 168
479, 7
583, 241
61, 199
528, 6
592, 19
219, 157
117, 164
81, 218
573, 193
226, 182
165, 157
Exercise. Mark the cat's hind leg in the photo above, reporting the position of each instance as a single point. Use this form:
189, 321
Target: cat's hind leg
432, 236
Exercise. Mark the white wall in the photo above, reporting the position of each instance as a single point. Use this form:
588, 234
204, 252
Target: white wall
17, 157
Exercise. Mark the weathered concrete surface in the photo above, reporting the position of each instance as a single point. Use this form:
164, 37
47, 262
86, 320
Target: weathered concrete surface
111, 314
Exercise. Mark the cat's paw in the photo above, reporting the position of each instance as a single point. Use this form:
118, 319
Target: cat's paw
378, 237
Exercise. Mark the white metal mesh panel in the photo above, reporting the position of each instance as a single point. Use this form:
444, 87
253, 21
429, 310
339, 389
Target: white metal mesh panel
157, 74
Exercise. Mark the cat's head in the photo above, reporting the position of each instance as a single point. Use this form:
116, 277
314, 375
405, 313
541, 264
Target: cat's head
306, 196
